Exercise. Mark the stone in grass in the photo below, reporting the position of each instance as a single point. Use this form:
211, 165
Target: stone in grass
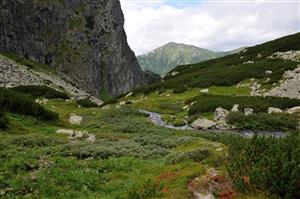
203, 123
248, 111
75, 119
235, 108
274, 110
221, 114
294, 110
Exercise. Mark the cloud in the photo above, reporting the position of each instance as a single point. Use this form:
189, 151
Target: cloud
212, 24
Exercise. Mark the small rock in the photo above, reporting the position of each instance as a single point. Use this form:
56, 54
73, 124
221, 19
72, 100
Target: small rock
259, 55
91, 138
248, 111
174, 73
221, 114
65, 131
206, 90
235, 108
274, 110
185, 107
129, 94
75, 119
203, 123
122, 103
249, 62
268, 72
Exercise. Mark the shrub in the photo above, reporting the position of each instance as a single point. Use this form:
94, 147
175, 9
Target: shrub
86, 102
180, 89
270, 164
3, 120
41, 91
23, 104
195, 155
263, 121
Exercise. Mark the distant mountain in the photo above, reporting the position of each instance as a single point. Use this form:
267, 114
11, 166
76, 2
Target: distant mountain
167, 57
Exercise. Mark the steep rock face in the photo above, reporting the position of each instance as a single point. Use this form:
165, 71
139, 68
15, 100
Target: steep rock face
83, 39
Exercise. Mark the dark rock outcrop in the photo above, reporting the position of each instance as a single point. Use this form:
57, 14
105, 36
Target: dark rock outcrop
83, 39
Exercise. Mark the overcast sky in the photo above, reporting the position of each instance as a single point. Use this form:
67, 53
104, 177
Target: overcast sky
213, 24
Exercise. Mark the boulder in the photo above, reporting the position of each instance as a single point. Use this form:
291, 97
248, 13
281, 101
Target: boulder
221, 114
248, 111
204, 90
274, 110
91, 138
235, 108
65, 131
294, 110
75, 119
268, 72
203, 123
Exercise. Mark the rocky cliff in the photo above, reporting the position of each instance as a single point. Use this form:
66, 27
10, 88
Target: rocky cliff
83, 39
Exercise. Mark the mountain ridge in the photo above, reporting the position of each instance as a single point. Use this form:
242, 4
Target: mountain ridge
166, 57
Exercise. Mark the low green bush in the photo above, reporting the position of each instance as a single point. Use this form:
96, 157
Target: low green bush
3, 120
269, 164
23, 104
195, 155
105, 150
87, 103
180, 89
263, 121
41, 91
208, 103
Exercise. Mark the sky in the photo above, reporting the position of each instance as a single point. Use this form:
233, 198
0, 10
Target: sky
219, 25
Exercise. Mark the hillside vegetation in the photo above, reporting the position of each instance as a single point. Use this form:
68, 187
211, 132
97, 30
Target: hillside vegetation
232, 69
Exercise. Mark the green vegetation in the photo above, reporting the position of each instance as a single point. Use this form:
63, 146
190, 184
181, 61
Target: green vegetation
3, 120
208, 103
232, 69
268, 164
86, 102
41, 91
180, 89
105, 96
23, 104
263, 121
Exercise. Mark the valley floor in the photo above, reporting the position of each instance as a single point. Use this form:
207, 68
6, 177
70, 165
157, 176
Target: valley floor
130, 157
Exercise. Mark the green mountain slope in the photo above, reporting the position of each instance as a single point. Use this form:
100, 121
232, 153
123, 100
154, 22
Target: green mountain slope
252, 62
167, 57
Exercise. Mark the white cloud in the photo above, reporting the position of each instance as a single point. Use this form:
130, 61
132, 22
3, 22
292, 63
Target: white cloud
211, 24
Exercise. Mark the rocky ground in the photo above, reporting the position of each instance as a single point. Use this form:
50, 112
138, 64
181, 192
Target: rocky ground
13, 74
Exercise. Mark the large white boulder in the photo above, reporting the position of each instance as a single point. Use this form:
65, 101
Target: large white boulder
75, 119
203, 123
274, 110
221, 114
